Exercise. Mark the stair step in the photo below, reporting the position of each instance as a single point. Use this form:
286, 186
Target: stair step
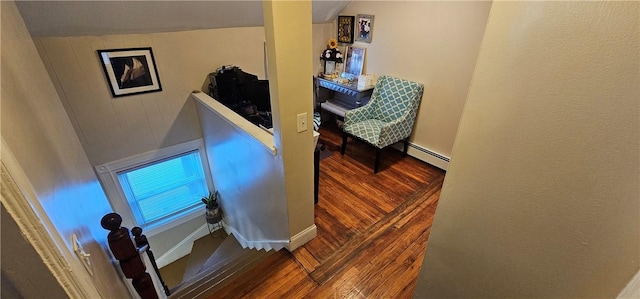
228, 251
200, 253
218, 274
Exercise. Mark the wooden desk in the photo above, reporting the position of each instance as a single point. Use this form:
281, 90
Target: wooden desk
338, 98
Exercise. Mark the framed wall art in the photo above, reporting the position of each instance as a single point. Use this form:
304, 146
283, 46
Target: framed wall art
355, 61
130, 71
345, 29
364, 25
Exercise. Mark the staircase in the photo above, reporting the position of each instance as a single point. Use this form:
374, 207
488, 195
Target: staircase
215, 260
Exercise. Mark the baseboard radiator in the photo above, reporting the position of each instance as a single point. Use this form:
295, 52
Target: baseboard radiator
424, 154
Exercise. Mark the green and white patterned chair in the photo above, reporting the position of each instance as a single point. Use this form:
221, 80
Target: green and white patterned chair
387, 118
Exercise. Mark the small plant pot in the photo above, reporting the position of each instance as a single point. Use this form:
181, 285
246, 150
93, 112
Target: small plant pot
213, 215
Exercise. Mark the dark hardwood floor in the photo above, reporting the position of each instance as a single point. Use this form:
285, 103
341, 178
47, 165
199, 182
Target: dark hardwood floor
372, 230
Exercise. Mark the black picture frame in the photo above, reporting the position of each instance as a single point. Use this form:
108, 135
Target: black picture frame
130, 71
345, 29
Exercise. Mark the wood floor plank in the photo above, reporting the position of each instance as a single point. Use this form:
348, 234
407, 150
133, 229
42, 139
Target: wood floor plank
260, 275
286, 273
427, 206
339, 288
347, 252
306, 259
405, 263
300, 289
372, 230
402, 249
350, 212
333, 233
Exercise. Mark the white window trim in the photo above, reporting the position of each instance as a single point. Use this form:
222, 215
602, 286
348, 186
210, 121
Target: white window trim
108, 176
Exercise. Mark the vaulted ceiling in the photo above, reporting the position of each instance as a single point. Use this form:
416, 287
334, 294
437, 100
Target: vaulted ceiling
76, 18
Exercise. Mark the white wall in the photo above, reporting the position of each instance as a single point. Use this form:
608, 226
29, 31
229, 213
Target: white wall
247, 175
288, 33
542, 197
431, 42
47, 152
114, 128
320, 38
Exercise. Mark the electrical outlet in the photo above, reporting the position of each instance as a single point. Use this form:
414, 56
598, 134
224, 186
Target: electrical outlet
302, 122
84, 257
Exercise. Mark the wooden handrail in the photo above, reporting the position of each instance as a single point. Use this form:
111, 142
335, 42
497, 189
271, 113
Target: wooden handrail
143, 243
127, 254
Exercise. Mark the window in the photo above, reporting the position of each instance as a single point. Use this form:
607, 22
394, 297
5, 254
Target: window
165, 187
159, 189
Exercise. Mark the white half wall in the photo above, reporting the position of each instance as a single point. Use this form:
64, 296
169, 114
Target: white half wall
246, 172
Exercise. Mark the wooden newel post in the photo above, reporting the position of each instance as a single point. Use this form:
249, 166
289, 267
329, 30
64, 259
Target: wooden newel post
141, 241
127, 254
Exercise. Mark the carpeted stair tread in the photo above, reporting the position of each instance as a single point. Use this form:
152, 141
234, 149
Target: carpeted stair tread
228, 251
200, 252
228, 262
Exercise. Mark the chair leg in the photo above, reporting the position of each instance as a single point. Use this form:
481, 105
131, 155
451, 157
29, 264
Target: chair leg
406, 147
344, 143
377, 163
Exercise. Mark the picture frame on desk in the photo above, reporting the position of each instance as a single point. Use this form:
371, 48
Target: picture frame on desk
130, 71
354, 61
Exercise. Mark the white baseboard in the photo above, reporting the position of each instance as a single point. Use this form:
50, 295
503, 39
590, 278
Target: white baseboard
261, 244
426, 155
182, 248
632, 290
302, 237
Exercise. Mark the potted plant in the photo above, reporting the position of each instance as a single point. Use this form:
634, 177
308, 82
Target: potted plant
212, 213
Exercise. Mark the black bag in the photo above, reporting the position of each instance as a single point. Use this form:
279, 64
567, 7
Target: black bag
243, 93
